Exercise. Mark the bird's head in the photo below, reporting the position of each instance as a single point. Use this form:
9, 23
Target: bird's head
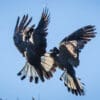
54, 51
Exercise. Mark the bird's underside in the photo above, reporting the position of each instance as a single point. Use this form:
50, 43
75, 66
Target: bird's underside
32, 43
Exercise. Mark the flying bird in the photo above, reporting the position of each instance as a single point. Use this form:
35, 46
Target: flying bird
66, 57
32, 43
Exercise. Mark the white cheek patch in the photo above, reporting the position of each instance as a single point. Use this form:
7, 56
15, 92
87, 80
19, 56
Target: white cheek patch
47, 62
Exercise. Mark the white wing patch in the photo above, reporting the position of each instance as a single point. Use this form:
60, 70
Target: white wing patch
47, 62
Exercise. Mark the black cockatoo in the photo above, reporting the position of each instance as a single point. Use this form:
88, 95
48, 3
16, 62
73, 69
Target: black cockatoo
66, 57
32, 43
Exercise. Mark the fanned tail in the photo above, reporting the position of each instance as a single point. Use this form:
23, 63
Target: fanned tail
73, 84
34, 74
28, 70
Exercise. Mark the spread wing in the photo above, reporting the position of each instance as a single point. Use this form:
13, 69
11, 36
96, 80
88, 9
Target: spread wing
20, 31
69, 50
40, 33
43, 23
75, 42
36, 47
56, 59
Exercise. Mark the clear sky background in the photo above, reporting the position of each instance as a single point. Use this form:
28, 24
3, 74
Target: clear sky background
66, 17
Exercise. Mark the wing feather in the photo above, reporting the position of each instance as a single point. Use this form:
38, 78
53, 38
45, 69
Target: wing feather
21, 28
43, 23
40, 33
48, 62
76, 41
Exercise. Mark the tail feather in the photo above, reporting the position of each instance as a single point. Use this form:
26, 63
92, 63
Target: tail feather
34, 74
29, 71
73, 84
48, 75
40, 73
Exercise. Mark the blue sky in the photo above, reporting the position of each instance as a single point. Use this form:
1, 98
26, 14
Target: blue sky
66, 17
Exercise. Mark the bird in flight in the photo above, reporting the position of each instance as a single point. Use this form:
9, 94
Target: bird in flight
66, 57
32, 43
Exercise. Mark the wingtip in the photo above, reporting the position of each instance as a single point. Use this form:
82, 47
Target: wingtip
17, 23
46, 13
93, 27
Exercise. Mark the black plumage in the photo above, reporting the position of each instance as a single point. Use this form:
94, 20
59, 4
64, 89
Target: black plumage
66, 57
20, 31
32, 43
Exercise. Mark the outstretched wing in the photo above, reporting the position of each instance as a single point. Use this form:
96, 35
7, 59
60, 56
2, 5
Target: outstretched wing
75, 42
43, 23
34, 41
58, 59
69, 57
20, 32
40, 33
